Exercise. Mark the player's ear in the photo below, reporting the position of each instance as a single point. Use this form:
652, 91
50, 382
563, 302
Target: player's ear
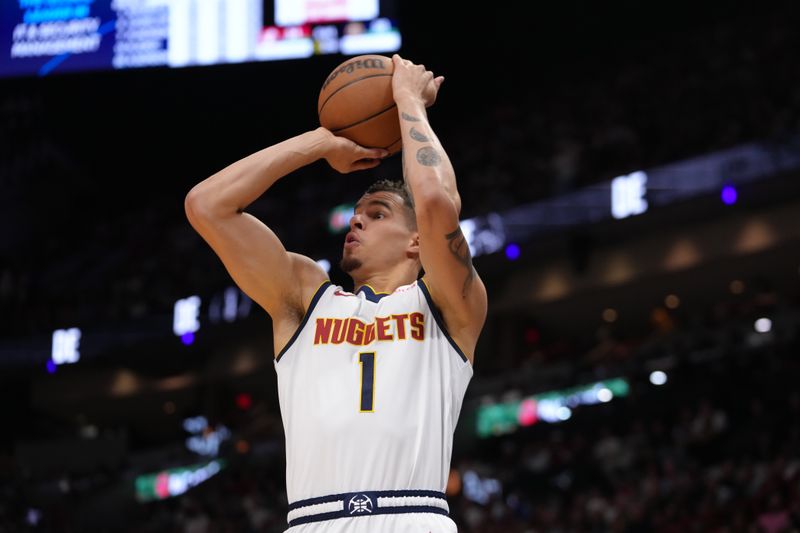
413, 245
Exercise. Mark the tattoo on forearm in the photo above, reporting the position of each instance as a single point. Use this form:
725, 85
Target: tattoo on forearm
418, 135
408, 117
458, 247
428, 156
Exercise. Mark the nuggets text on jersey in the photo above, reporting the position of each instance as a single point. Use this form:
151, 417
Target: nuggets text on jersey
358, 333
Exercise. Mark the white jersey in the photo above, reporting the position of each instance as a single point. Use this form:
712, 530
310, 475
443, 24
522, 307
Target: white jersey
370, 389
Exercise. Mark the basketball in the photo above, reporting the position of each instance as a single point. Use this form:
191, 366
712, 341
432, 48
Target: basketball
356, 102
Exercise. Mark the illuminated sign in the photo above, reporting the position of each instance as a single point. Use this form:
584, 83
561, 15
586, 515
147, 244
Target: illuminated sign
628, 195
186, 316
174, 481
555, 406
65, 346
46, 36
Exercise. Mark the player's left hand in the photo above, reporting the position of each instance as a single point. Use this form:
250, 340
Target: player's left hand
345, 156
415, 81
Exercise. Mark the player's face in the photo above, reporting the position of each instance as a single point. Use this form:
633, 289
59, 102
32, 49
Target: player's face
379, 234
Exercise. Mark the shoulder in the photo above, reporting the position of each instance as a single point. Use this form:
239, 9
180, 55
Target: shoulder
309, 282
309, 278
463, 329
467, 310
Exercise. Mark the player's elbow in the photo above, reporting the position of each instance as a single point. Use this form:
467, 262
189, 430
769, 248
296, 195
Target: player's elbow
192, 204
456, 199
436, 206
434, 194
198, 206
448, 201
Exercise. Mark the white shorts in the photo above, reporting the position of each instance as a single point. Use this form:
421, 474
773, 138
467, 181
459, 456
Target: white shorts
385, 523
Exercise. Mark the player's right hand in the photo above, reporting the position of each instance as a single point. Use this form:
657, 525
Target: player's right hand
415, 81
345, 156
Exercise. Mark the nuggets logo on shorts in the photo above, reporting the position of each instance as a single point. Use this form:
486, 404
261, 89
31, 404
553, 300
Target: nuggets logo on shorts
359, 504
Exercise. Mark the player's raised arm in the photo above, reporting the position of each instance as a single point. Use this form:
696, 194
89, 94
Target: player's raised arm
451, 279
255, 258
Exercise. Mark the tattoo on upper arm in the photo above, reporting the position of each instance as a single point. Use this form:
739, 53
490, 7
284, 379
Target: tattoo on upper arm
428, 156
408, 117
460, 249
418, 135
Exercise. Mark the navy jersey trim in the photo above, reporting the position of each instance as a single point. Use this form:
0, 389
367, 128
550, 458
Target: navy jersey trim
437, 315
311, 306
371, 295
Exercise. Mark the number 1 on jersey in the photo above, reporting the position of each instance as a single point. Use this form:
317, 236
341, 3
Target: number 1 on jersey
367, 362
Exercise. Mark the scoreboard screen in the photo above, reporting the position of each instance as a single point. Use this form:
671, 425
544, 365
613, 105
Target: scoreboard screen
43, 37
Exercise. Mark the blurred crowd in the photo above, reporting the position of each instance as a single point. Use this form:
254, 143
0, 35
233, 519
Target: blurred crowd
713, 450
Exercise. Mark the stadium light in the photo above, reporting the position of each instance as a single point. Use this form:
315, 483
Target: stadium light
729, 195
512, 251
763, 325
605, 395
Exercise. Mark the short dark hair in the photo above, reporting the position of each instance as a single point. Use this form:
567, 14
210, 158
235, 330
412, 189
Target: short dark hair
400, 188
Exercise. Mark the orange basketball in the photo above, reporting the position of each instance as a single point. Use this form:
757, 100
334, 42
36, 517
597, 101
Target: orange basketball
356, 102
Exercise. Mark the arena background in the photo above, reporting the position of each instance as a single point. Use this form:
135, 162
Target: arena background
635, 374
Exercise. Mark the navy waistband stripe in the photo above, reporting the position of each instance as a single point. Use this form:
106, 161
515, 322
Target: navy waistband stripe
366, 503
380, 510
376, 493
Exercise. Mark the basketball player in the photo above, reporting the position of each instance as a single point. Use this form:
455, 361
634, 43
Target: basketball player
371, 382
